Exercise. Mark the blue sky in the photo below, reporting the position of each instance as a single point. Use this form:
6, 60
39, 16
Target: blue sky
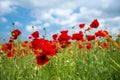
56, 15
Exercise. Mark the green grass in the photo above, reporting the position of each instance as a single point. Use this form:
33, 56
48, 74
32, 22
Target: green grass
68, 64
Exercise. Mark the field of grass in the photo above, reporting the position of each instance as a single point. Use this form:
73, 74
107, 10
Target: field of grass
75, 57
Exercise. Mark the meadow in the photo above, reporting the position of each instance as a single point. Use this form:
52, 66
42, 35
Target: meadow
79, 56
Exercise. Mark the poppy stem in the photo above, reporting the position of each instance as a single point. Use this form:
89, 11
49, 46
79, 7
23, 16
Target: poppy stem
44, 36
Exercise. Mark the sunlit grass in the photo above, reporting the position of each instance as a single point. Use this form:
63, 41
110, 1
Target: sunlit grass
69, 64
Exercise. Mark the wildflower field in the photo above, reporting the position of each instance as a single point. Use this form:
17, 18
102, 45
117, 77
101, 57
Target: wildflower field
80, 56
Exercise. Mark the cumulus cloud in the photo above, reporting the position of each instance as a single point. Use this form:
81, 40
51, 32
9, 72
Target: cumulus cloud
18, 24
67, 17
6, 6
66, 13
44, 5
113, 25
3, 20
31, 28
113, 8
64, 4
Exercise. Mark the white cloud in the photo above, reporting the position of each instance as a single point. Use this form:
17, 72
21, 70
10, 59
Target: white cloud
53, 16
30, 29
18, 24
46, 5
66, 13
6, 6
114, 30
46, 25
61, 12
114, 19
112, 25
36, 22
63, 4
106, 3
88, 13
3, 20
66, 17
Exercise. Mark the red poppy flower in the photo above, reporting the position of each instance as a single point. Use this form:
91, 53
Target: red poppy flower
49, 50
78, 36
7, 46
37, 43
64, 38
25, 43
35, 34
25, 52
54, 36
65, 44
104, 45
42, 59
64, 31
81, 25
90, 37
101, 33
15, 33
55, 47
88, 46
105, 32
80, 46
11, 40
10, 54
37, 51
43, 46
30, 37
94, 24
